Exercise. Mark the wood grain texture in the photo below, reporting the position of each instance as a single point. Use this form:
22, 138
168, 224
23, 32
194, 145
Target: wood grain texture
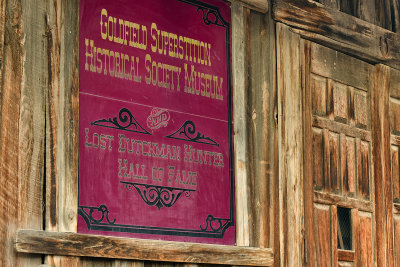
12, 72
32, 124
356, 235
62, 39
313, 150
2, 32
340, 31
382, 168
396, 227
395, 7
346, 255
365, 239
328, 62
334, 236
366, 10
258, 5
343, 201
30, 241
395, 173
22, 90
323, 237
395, 83
290, 142
239, 67
383, 14
262, 128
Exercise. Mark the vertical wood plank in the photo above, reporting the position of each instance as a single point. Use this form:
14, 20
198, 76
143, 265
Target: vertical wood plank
340, 110
356, 236
394, 115
22, 126
365, 163
334, 162
2, 43
382, 167
365, 239
258, 130
331, 3
395, 173
318, 158
383, 17
12, 72
262, 127
350, 7
239, 67
62, 121
396, 251
319, 95
361, 109
395, 7
351, 167
347, 157
327, 165
367, 10
313, 151
322, 223
334, 240
290, 146
32, 124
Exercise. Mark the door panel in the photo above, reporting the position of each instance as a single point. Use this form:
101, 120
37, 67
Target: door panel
340, 138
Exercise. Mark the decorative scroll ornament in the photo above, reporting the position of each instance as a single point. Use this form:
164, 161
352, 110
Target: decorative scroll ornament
125, 121
215, 225
187, 132
159, 196
212, 16
93, 214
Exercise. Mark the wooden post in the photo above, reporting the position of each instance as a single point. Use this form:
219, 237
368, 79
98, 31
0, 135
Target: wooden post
290, 125
62, 40
382, 165
263, 129
22, 86
239, 69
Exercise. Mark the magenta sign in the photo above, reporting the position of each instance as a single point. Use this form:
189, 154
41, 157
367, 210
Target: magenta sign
155, 153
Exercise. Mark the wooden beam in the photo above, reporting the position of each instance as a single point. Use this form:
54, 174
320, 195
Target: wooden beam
340, 31
57, 243
343, 201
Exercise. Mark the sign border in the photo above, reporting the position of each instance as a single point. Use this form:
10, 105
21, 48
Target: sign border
214, 227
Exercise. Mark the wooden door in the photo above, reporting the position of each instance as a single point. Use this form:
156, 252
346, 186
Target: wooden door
338, 169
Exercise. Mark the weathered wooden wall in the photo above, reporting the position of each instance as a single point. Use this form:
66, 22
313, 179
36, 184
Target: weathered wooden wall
315, 129
39, 83
381, 13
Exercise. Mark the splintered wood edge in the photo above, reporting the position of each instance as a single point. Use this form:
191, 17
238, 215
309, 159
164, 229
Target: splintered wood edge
73, 244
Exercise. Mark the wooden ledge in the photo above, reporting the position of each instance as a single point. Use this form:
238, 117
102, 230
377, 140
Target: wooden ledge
73, 244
